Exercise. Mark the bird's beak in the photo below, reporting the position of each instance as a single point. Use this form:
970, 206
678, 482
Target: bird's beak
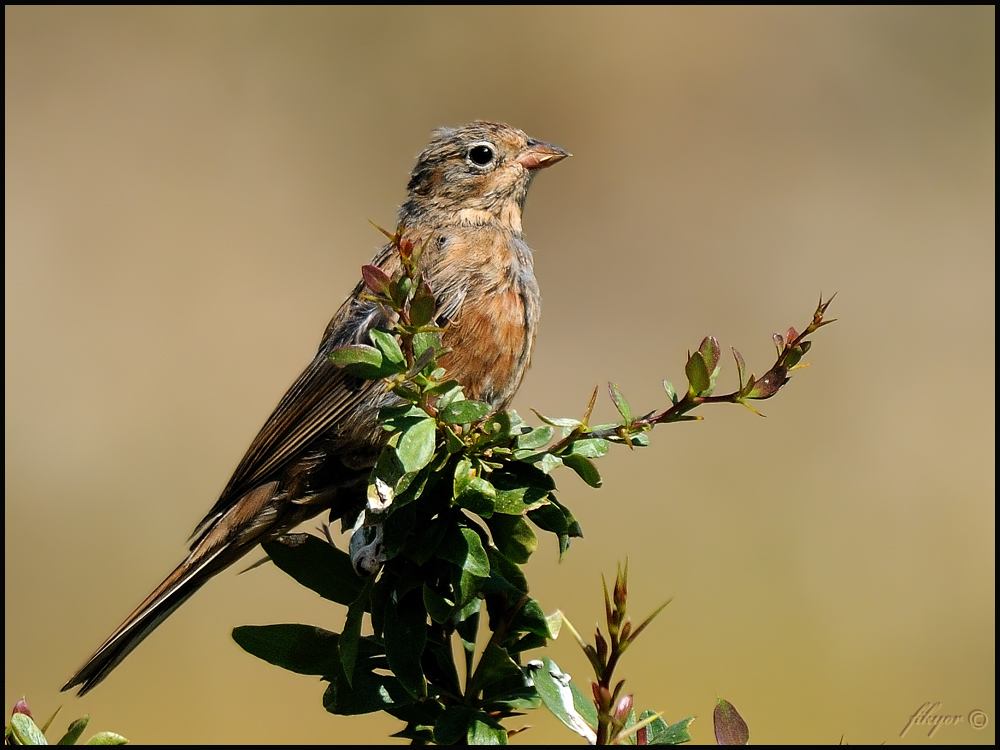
539, 155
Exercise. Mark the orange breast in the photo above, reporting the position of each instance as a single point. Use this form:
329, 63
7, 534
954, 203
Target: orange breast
491, 347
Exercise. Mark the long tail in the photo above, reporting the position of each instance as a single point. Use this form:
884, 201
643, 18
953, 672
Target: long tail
226, 541
159, 605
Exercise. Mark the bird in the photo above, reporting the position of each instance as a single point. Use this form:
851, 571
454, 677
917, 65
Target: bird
315, 452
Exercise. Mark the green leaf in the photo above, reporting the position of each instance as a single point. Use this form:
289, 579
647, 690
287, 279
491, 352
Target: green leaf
350, 639
396, 532
553, 687
453, 725
495, 666
463, 412
360, 360
557, 519
388, 469
513, 537
423, 306
550, 517
589, 447
512, 695
537, 438
464, 548
411, 486
405, 392
388, 345
486, 731
555, 623
25, 731
697, 374
464, 474
448, 390
531, 619
426, 340
793, 357
567, 424
420, 719
317, 565
479, 496
74, 731
503, 427
370, 691
420, 734
303, 649
621, 404
659, 733
107, 738
399, 417
382, 592
505, 576
711, 353
527, 642
549, 462
399, 290
405, 634
519, 501
521, 487
467, 624
671, 392
439, 660
438, 607
425, 539
416, 445
584, 704
585, 468
452, 442
421, 362
741, 367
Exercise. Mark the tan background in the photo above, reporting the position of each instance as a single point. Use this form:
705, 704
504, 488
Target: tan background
187, 201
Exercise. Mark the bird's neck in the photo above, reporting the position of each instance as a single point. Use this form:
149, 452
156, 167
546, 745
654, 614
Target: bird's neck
506, 216
509, 218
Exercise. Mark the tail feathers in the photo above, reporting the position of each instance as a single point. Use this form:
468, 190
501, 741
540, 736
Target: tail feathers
178, 587
255, 518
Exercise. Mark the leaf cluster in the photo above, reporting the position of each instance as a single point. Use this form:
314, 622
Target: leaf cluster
609, 717
454, 504
22, 730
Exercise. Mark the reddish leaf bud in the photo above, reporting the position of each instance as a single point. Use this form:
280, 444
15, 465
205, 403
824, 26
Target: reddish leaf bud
602, 647
624, 708
730, 729
375, 279
21, 707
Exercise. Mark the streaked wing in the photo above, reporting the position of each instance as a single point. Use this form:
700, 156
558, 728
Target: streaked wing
322, 397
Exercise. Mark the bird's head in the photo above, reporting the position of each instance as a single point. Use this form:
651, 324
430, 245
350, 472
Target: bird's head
477, 173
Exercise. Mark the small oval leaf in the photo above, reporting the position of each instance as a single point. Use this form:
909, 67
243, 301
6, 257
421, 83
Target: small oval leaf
387, 344
730, 729
416, 445
375, 279
463, 412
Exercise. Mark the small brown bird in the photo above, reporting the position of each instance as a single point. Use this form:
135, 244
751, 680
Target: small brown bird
316, 450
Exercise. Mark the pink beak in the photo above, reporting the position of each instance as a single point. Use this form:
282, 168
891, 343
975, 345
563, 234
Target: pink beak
539, 155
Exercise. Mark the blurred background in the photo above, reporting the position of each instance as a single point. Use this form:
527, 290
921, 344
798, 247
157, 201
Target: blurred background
187, 201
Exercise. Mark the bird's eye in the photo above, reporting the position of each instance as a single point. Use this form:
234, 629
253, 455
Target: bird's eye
481, 154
